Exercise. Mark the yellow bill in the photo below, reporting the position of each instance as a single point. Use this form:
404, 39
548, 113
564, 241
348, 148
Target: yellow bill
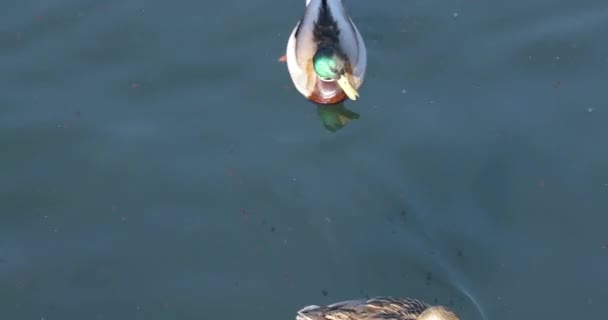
348, 88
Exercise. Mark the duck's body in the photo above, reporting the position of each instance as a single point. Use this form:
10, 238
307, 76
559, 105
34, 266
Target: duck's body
326, 55
379, 308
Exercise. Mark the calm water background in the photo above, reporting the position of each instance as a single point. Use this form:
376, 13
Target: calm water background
157, 163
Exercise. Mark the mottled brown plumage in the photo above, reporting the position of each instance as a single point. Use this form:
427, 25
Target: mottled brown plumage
379, 308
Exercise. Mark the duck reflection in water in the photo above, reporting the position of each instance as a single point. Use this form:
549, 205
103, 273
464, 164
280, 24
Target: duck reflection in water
335, 116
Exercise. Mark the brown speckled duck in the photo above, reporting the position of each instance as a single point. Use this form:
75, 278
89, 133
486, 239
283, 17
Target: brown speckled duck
379, 308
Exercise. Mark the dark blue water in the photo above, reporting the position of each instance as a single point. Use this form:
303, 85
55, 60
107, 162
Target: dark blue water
157, 162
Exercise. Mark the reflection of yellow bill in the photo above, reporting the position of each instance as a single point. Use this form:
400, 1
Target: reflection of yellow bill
348, 88
343, 119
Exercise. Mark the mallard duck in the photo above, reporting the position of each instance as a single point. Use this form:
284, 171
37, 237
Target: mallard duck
326, 55
379, 308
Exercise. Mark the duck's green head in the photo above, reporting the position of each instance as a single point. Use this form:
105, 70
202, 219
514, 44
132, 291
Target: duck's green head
330, 65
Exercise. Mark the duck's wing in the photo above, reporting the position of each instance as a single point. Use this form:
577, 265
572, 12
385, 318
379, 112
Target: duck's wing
305, 45
333, 9
349, 41
405, 308
371, 309
360, 64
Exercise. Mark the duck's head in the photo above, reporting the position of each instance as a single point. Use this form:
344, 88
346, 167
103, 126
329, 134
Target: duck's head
437, 313
331, 65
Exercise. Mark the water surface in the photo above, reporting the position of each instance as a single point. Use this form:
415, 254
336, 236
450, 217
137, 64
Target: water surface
157, 162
